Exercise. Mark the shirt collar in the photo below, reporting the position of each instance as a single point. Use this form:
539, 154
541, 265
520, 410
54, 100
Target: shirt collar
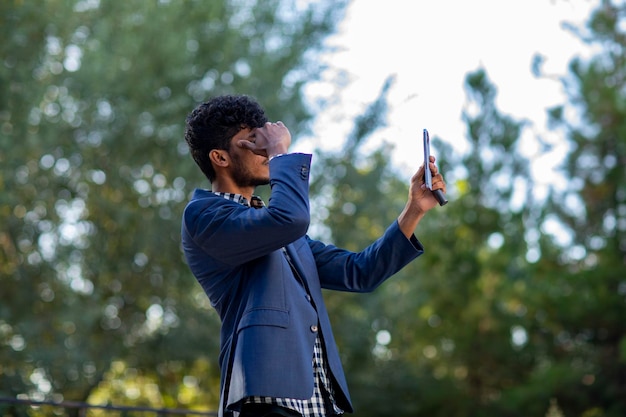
255, 201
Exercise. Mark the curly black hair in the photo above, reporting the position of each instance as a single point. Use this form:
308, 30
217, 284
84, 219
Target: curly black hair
211, 125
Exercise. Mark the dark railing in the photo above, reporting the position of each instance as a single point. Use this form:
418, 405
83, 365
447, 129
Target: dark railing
80, 409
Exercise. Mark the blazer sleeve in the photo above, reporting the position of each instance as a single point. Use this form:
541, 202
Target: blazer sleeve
364, 271
235, 234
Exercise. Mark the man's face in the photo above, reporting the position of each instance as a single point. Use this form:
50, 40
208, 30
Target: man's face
248, 169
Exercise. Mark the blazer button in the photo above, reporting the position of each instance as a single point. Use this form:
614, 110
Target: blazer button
304, 172
308, 297
313, 328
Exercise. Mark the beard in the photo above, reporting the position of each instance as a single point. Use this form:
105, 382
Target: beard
243, 175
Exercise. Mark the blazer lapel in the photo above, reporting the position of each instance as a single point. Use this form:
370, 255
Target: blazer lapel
297, 265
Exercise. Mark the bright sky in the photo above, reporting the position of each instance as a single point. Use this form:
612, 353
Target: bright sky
430, 46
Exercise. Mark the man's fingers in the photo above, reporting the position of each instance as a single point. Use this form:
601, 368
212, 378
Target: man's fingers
252, 147
246, 144
439, 183
432, 166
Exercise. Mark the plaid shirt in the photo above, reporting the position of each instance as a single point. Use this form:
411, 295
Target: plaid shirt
322, 403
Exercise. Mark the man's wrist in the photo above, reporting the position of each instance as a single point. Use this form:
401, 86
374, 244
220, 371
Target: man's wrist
276, 155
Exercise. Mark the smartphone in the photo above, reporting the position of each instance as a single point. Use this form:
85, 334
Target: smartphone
428, 176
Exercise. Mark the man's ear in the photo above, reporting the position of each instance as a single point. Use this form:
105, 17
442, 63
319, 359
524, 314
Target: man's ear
219, 157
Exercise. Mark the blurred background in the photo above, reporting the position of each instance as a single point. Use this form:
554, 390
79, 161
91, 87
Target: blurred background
517, 308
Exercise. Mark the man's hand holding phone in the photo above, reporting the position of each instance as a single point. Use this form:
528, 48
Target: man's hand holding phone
428, 176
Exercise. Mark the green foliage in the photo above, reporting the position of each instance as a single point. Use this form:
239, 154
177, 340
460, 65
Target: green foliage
588, 316
94, 176
422, 330
496, 314
96, 303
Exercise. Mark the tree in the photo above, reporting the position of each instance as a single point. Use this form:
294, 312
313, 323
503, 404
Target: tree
586, 323
473, 312
95, 174
435, 339
498, 317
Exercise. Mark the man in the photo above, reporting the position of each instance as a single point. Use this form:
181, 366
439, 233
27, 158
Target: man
264, 275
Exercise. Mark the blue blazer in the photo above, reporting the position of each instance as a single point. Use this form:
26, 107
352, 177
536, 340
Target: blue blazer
268, 323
